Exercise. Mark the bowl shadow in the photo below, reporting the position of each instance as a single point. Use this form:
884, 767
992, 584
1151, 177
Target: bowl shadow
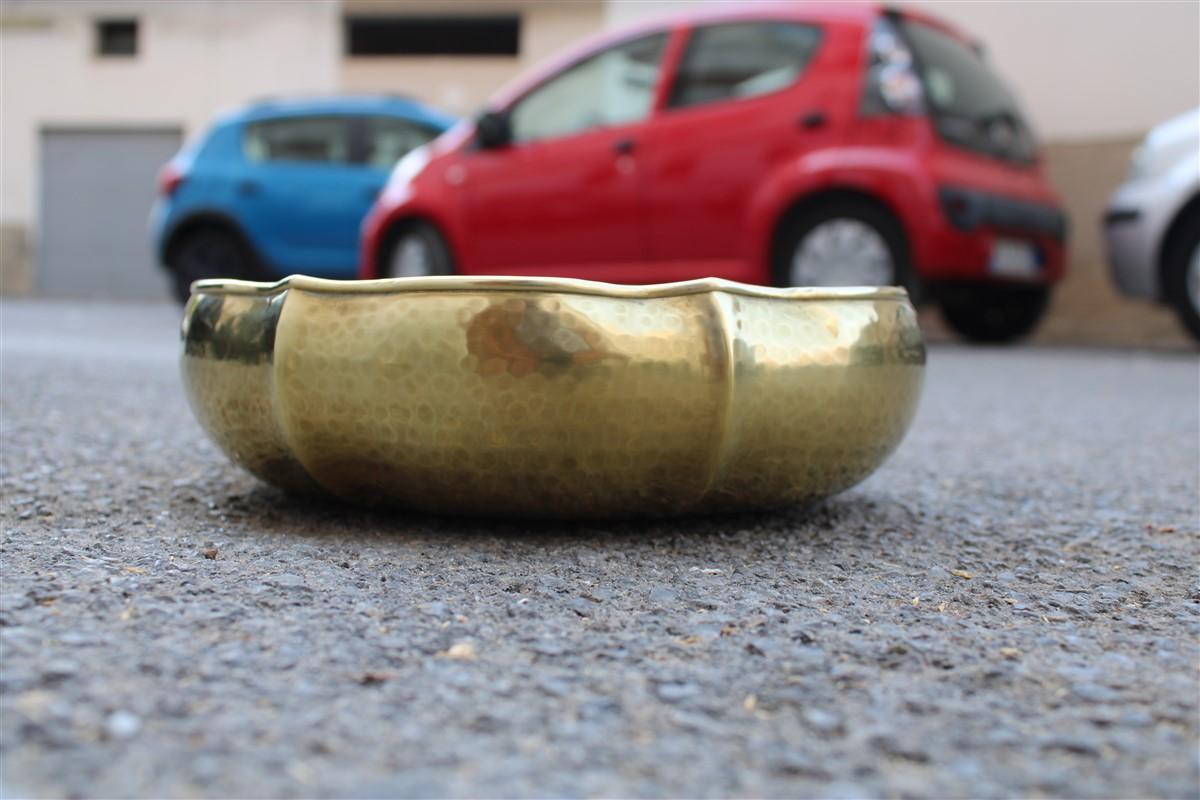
822, 524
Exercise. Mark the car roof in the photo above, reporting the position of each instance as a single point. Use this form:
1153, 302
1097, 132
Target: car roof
819, 9
703, 14
816, 11
852, 13
375, 105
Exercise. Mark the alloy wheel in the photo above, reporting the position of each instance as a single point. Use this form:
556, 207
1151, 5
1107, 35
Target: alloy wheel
842, 252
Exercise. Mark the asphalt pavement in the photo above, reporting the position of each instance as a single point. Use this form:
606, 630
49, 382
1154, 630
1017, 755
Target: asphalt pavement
1010, 606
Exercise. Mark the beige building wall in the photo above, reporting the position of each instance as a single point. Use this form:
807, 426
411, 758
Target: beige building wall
1090, 70
461, 84
194, 59
199, 57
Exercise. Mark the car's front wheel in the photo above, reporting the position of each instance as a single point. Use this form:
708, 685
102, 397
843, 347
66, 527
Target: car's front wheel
994, 314
841, 243
417, 251
205, 253
1182, 275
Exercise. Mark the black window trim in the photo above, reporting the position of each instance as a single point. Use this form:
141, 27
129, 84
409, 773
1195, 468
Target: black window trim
689, 31
360, 125
358, 138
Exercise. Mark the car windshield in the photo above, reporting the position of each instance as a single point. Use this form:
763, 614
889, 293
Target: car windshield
971, 107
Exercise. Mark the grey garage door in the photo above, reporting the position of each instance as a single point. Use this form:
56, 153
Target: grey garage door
97, 187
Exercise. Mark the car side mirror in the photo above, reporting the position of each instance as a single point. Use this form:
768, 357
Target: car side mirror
492, 130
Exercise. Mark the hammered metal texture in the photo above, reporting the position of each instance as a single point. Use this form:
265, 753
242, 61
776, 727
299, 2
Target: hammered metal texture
536, 397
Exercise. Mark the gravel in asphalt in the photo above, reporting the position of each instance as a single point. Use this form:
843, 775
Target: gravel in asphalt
1010, 606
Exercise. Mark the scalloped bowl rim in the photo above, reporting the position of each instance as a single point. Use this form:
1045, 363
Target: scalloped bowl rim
504, 283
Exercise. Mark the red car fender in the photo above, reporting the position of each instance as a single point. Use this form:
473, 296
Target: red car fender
438, 208
890, 175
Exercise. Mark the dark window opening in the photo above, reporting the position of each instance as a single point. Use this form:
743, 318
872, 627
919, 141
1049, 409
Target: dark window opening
116, 37
490, 35
385, 140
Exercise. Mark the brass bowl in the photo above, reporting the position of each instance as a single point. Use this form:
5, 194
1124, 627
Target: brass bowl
547, 397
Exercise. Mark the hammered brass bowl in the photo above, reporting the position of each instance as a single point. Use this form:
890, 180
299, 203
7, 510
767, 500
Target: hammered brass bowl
544, 397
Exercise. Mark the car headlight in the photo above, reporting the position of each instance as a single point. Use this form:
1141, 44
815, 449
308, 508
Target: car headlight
1139, 163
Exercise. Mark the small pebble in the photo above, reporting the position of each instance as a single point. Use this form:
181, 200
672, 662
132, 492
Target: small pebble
122, 725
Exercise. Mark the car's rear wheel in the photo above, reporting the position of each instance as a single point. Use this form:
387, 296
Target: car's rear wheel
417, 251
1182, 275
209, 252
841, 243
993, 314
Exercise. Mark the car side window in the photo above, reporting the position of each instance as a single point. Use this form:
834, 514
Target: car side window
304, 139
742, 59
388, 139
610, 88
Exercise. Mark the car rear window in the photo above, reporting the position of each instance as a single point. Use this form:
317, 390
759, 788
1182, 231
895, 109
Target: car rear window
971, 106
742, 59
305, 139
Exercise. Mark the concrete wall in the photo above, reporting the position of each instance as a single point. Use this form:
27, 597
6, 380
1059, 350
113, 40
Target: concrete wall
194, 59
16, 277
461, 84
1087, 307
1088, 71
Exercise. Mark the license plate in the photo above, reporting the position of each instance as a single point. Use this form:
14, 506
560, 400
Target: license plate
1014, 258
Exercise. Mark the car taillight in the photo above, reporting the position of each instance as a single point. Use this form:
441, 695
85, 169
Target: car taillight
893, 85
169, 179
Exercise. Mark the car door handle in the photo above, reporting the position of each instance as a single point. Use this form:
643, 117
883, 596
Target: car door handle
624, 147
248, 188
811, 120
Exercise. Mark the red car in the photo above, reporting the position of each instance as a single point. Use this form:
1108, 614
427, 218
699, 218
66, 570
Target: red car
800, 144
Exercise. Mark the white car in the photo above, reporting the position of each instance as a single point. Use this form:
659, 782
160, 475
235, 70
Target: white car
1152, 225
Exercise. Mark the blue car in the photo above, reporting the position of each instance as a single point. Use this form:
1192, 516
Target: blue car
281, 187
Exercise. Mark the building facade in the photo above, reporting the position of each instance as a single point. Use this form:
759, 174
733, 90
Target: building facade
101, 94
92, 91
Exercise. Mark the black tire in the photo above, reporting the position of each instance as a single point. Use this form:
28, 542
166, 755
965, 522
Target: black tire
209, 252
440, 259
994, 314
1184, 247
798, 225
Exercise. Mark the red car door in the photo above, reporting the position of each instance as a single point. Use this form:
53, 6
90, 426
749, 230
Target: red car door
742, 103
564, 197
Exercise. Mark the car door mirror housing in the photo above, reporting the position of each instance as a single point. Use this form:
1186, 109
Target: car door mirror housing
492, 130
